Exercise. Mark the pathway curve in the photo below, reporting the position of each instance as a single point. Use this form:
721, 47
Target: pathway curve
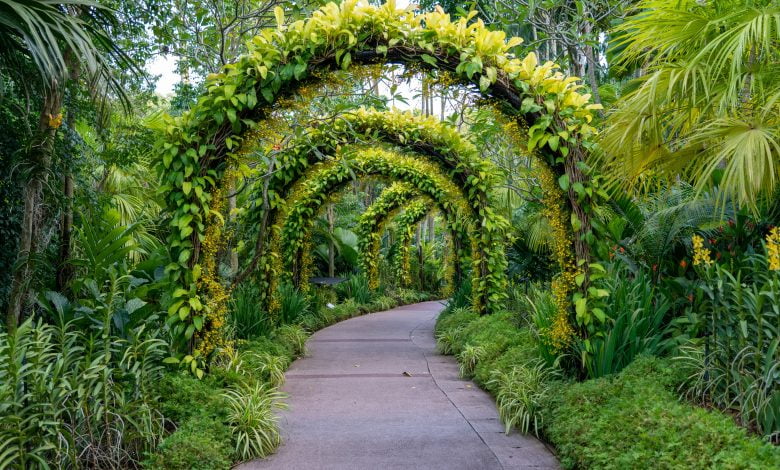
374, 394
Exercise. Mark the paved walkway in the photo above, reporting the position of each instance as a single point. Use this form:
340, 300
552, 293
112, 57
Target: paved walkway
374, 394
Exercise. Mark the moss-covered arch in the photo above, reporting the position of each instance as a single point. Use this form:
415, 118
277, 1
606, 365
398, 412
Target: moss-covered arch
294, 219
372, 222
200, 146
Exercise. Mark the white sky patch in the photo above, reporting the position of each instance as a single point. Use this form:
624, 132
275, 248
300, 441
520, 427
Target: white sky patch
164, 66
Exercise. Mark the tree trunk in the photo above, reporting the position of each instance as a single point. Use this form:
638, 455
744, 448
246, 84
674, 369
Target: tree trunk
65, 269
40, 159
592, 81
591, 64
232, 218
331, 245
420, 267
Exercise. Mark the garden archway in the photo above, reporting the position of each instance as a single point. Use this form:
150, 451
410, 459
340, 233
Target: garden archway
405, 222
199, 147
310, 193
372, 223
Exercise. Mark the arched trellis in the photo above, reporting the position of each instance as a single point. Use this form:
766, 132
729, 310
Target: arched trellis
405, 223
310, 193
439, 142
371, 224
199, 147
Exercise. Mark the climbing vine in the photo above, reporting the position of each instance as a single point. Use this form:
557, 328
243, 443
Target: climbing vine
371, 225
295, 217
372, 222
197, 145
412, 215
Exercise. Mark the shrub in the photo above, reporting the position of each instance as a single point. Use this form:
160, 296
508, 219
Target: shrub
252, 420
521, 395
635, 313
462, 296
201, 443
523, 351
293, 304
742, 368
70, 397
270, 368
543, 311
446, 339
294, 338
634, 420
452, 318
183, 396
355, 288
245, 318
382, 302
468, 359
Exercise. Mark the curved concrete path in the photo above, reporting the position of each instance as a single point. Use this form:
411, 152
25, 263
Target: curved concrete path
374, 394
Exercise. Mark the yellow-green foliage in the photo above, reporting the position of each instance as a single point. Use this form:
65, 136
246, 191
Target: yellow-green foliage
296, 216
414, 213
441, 144
372, 222
195, 146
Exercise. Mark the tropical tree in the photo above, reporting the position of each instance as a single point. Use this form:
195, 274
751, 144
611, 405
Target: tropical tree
709, 102
67, 41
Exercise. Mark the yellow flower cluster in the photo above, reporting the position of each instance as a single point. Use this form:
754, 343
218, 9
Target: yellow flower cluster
701, 255
561, 332
449, 268
211, 337
773, 249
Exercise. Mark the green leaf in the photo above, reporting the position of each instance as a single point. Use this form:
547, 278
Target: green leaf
600, 315
346, 61
563, 182
484, 83
429, 59
576, 223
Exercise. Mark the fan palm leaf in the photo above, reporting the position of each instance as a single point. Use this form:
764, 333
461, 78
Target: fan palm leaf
48, 31
708, 99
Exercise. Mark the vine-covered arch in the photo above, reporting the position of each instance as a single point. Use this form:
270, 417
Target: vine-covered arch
310, 193
199, 147
439, 143
424, 135
405, 223
372, 222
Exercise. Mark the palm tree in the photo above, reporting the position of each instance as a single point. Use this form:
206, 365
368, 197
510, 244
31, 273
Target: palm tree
66, 40
709, 101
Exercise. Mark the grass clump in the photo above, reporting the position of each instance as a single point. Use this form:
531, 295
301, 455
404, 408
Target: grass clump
253, 423
521, 395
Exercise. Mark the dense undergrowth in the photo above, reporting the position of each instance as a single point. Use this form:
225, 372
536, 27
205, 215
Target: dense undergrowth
218, 418
631, 419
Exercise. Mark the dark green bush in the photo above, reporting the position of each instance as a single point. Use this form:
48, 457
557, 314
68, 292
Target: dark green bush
183, 396
245, 319
635, 420
201, 443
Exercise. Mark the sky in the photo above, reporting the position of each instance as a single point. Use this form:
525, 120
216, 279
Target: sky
165, 66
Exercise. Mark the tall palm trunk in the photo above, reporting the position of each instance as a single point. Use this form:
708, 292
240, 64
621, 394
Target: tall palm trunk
65, 269
40, 160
